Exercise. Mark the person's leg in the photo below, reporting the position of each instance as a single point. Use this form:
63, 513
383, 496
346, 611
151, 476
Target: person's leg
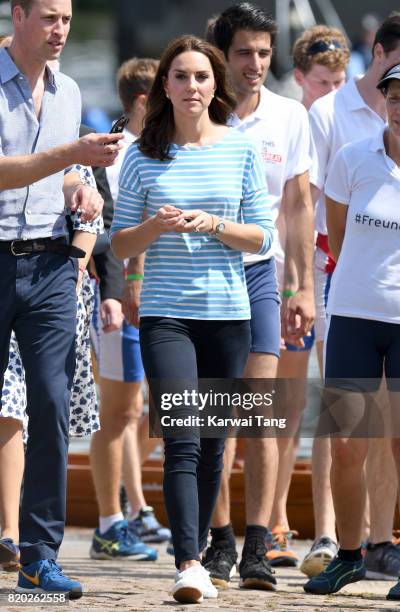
45, 327
224, 358
260, 452
324, 514
112, 539
12, 467
141, 516
146, 444
394, 395
12, 407
324, 547
117, 408
353, 368
170, 363
382, 558
222, 511
131, 460
293, 366
12, 458
382, 489
11, 471
348, 487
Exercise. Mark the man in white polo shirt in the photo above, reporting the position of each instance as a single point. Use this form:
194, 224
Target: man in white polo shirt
280, 128
354, 112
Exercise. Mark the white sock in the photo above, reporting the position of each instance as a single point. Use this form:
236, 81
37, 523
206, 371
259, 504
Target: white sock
105, 522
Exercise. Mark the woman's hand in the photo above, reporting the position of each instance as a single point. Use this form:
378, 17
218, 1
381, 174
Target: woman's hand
168, 219
197, 221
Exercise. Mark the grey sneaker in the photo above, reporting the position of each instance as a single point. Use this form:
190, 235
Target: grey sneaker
382, 562
321, 554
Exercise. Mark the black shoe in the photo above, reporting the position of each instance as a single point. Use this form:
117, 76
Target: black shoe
382, 562
335, 577
255, 571
220, 560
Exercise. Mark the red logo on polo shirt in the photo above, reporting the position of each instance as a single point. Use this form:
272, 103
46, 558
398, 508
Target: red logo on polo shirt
268, 155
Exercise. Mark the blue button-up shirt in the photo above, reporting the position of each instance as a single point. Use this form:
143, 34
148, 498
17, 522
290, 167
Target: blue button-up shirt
37, 210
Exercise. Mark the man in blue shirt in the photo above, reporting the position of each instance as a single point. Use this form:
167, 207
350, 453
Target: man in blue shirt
40, 117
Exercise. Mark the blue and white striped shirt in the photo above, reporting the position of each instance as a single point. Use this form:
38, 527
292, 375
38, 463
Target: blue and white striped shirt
194, 275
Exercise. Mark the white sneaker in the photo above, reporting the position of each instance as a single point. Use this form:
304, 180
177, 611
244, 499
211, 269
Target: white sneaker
192, 585
321, 554
209, 590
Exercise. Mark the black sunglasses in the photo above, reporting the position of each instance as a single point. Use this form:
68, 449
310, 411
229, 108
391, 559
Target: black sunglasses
321, 46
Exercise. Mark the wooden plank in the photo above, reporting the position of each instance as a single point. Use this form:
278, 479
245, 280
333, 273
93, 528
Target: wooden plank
82, 506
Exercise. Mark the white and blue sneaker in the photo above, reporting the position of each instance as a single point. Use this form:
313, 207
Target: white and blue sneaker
148, 528
120, 541
46, 576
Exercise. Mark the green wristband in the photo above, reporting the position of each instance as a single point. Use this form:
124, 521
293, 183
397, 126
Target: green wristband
287, 293
134, 277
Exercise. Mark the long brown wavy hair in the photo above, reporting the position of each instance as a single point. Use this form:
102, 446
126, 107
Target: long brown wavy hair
159, 124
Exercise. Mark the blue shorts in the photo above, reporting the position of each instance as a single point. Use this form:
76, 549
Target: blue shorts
118, 352
308, 343
359, 349
265, 305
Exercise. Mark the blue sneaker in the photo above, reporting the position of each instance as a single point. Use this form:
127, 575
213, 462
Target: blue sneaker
394, 593
120, 541
9, 555
335, 576
147, 527
46, 576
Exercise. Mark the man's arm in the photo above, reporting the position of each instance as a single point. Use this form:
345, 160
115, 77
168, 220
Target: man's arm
132, 290
299, 310
336, 215
92, 150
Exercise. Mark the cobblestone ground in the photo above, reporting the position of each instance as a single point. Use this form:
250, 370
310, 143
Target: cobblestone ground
135, 586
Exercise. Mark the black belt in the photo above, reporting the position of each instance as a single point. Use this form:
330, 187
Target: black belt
40, 245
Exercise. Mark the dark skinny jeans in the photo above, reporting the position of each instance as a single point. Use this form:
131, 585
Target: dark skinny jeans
183, 350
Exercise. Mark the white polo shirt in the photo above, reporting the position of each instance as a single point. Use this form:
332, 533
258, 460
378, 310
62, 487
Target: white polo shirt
114, 170
279, 127
340, 117
366, 281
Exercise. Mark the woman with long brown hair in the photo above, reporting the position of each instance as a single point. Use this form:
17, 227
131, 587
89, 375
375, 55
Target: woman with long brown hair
203, 192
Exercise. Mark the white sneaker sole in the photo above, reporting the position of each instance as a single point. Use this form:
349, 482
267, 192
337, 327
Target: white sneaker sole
315, 562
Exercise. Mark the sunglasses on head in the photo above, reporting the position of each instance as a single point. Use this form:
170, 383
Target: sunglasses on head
321, 46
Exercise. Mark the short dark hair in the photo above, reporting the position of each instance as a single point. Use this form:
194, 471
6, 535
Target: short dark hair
244, 16
159, 124
388, 33
135, 77
26, 5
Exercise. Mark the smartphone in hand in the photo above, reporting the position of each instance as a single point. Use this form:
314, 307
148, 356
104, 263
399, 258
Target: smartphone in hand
119, 126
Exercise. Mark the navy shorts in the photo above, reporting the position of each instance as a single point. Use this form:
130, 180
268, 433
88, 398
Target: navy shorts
265, 305
360, 349
308, 343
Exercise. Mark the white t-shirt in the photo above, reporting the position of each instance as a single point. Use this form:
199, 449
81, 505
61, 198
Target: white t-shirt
340, 117
366, 281
279, 127
114, 170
